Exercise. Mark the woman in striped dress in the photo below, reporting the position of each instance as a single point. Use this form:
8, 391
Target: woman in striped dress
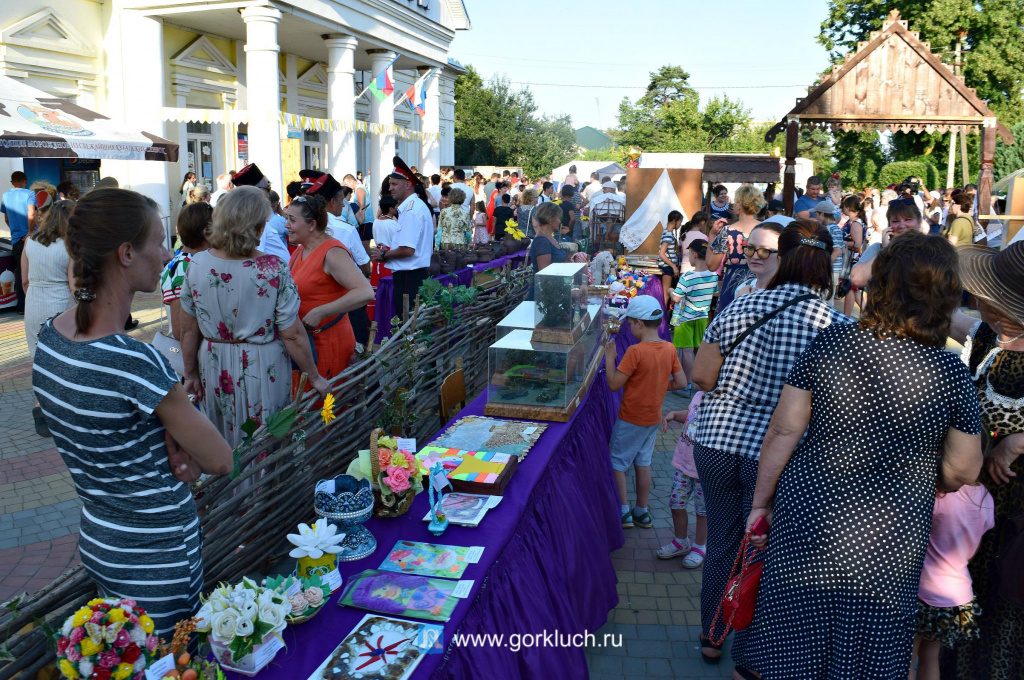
120, 419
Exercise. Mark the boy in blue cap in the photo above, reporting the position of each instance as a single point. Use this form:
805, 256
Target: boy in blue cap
646, 371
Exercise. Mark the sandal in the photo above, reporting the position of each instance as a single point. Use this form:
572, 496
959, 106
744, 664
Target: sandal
643, 521
706, 644
674, 549
627, 520
694, 559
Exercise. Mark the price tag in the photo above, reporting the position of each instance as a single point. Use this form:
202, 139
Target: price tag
265, 652
406, 444
333, 579
500, 458
462, 589
529, 430
439, 481
294, 589
474, 554
160, 667
493, 501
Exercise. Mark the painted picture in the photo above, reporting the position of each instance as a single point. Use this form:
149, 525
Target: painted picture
475, 433
465, 509
378, 647
427, 559
386, 592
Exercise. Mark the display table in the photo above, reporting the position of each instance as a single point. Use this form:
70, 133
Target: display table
624, 338
545, 567
384, 307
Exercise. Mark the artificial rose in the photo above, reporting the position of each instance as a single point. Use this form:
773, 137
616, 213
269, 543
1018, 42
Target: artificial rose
88, 647
147, 623
398, 479
100, 674
67, 669
245, 627
81, 616
85, 667
77, 635
273, 615
203, 618
67, 627
224, 625
123, 639
314, 596
249, 610
109, 659
74, 655
62, 645
123, 671
116, 615
131, 654
128, 603
97, 616
298, 604
218, 605
383, 458
410, 461
138, 636
398, 459
151, 642
140, 665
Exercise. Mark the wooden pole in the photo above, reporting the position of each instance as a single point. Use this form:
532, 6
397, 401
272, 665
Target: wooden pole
789, 175
952, 160
965, 173
985, 177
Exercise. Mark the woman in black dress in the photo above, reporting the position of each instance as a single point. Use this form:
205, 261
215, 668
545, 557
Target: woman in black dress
891, 414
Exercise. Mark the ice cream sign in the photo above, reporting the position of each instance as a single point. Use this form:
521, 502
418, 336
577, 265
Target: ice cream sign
8, 297
52, 121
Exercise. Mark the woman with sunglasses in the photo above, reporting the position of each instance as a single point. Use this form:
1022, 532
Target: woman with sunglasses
762, 252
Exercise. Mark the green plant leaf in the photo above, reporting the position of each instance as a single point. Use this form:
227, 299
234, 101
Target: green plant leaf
249, 426
279, 423
236, 456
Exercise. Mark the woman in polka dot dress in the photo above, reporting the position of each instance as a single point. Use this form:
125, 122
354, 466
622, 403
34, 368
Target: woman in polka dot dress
850, 510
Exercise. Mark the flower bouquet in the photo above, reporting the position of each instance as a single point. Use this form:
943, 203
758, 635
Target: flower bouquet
515, 240
243, 624
108, 639
396, 478
316, 549
307, 596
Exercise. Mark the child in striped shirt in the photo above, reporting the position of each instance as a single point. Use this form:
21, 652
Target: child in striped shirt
692, 296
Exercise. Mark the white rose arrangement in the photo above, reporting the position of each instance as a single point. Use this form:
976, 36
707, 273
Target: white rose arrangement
241, 616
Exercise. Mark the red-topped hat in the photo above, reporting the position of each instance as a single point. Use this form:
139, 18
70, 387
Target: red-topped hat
402, 171
43, 199
325, 186
250, 175
311, 175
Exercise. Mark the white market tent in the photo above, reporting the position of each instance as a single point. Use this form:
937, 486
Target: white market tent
584, 168
34, 124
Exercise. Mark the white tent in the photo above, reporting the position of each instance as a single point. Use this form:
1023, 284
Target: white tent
584, 168
661, 200
35, 125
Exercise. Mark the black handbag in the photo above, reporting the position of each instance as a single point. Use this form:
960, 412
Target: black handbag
312, 345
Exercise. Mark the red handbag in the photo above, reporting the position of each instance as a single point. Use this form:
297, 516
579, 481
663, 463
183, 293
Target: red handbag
736, 610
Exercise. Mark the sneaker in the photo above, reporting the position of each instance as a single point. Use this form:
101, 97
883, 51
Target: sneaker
627, 520
694, 559
643, 521
675, 549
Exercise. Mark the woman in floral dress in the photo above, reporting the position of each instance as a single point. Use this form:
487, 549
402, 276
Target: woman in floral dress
240, 315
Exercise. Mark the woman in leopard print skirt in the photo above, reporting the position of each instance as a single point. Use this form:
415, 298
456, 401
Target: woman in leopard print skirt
994, 351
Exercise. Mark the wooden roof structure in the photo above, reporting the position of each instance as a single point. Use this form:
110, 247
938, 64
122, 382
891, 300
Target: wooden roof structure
720, 168
892, 82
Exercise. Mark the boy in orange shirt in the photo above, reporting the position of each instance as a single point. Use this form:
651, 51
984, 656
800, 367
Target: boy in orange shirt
647, 370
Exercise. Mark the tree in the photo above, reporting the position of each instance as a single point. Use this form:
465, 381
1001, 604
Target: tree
496, 125
1010, 158
669, 84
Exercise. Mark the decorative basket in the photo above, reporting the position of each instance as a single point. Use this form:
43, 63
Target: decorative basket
305, 616
394, 504
348, 507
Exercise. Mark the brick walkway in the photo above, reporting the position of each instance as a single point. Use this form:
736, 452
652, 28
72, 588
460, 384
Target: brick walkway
658, 615
39, 506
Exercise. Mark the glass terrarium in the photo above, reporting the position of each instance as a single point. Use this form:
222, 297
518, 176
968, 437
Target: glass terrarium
522, 317
529, 373
561, 295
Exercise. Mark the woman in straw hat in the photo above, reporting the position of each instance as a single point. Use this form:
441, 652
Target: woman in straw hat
994, 352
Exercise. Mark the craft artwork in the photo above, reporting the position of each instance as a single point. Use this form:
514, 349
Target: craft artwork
394, 475
316, 551
427, 559
466, 509
409, 595
438, 482
307, 596
111, 636
243, 623
379, 648
476, 433
347, 502
472, 471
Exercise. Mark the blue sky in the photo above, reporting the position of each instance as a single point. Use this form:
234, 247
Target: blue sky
736, 48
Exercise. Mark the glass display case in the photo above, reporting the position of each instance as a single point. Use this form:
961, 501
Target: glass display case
561, 294
522, 317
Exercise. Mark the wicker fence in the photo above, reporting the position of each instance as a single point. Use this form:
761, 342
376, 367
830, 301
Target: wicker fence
245, 519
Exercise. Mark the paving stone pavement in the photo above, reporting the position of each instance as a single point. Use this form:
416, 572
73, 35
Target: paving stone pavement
39, 506
654, 631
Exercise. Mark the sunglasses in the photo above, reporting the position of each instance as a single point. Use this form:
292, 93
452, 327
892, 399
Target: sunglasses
762, 253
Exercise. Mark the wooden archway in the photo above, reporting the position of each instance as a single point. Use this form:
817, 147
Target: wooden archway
893, 82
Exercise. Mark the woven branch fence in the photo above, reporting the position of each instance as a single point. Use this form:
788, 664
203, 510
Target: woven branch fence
245, 519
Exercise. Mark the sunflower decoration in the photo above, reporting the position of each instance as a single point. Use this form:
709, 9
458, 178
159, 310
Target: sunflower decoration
512, 229
327, 412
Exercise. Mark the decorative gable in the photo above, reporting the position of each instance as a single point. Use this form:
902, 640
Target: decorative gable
46, 30
203, 55
315, 79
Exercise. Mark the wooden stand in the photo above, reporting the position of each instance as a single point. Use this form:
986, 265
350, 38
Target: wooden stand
554, 414
562, 337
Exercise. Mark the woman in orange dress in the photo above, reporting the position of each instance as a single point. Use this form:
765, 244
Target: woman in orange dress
329, 282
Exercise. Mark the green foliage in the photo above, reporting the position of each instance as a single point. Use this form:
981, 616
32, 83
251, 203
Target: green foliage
859, 157
896, 172
496, 125
433, 292
612, 155
1010, 158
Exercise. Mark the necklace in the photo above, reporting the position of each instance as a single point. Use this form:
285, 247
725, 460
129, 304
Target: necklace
1011, 340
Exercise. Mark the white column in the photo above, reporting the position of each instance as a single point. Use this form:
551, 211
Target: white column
263, 91
230, 139
341, 104
382, 146
136, 82
430, 151
447, 106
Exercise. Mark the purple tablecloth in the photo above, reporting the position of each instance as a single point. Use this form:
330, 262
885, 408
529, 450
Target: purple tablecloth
624, 338
384, 309
545, 566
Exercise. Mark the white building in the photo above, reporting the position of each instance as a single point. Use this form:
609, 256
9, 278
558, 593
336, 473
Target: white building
228, 61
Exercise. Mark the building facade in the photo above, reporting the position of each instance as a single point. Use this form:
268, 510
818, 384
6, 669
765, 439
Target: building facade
216, 76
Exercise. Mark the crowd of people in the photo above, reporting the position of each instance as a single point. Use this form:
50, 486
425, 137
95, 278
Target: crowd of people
823, 398
887, 468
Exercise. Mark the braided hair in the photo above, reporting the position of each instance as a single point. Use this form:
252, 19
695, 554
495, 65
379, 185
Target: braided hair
101, 221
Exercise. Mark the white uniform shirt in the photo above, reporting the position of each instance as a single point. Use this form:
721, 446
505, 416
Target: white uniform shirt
415, 230
274, 240
349, 237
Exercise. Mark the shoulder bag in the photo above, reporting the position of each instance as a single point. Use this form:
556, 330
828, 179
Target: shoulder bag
310, 333
766, 318
736, 610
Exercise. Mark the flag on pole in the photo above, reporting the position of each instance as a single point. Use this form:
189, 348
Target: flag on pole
416, 95
381, 86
